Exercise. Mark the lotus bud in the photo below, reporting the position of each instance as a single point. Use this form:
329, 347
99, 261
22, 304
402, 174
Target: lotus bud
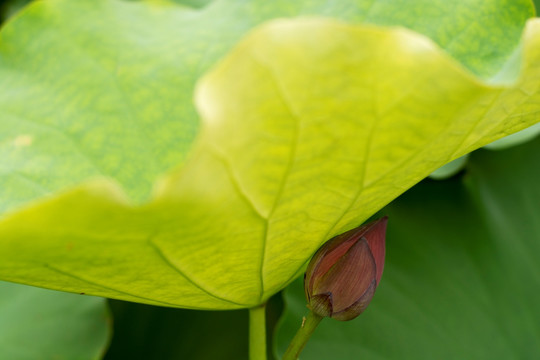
343, 274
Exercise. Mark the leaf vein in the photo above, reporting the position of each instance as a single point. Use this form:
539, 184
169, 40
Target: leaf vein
166, 260
93, 283
292, 156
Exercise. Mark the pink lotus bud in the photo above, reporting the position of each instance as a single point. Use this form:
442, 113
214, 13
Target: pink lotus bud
343, 274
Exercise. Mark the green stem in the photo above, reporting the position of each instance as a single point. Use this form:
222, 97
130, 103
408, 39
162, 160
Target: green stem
309, 324
257, 333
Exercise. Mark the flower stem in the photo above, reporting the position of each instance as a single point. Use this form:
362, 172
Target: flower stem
257, 333
309, 324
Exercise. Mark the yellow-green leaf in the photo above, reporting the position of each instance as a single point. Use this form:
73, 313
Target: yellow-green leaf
94, 88
291, 152
309, 126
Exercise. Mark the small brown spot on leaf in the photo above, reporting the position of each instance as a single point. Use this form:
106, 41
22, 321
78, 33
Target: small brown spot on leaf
23, 140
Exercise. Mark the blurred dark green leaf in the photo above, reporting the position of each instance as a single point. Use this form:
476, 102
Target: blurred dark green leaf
8, 8
40, 324
462, 278
150, 332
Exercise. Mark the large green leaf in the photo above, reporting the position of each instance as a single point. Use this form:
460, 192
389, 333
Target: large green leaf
105, 88
462, 273
309, 126
50, 325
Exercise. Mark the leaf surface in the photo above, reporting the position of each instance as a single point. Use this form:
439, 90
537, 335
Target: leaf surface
309, 126
118, 101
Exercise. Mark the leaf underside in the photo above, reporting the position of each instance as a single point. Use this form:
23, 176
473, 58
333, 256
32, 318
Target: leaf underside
307, 127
